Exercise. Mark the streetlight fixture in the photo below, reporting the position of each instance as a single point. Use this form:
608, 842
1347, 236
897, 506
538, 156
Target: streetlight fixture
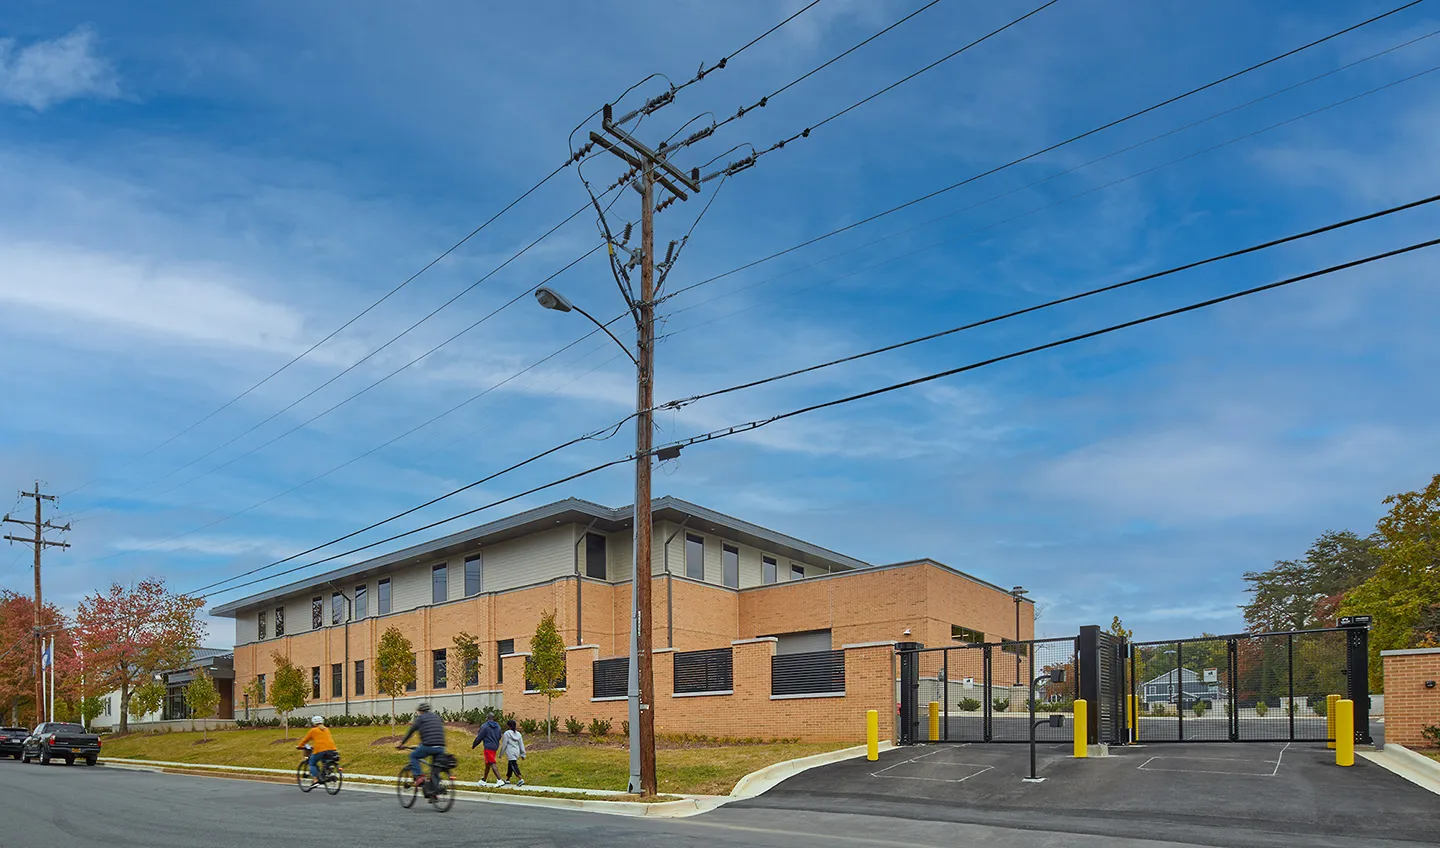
1017, 593
1056, 675
640, 739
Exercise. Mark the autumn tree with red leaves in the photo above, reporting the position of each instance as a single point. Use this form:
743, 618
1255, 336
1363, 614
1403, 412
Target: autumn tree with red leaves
129, 634
17, 652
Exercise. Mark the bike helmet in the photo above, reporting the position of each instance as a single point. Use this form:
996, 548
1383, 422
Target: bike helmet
317, 720
423, 707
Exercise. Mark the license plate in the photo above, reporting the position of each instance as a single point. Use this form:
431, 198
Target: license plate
77, 750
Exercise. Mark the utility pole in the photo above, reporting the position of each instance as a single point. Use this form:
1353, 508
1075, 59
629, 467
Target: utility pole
651, 167
40, 543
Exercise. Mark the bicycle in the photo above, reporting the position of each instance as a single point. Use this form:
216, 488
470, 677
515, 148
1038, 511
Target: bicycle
439, 785
331, 775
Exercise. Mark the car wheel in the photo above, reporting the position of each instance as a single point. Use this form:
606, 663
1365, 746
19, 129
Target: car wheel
25, 760
44, 756
90, 761
69, 761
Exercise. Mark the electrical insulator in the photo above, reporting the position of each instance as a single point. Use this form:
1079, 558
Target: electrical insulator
608, 114
670, 253
625, 236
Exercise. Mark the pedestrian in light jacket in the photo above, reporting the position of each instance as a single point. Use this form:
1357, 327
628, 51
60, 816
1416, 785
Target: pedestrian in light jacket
489, 736
512, 747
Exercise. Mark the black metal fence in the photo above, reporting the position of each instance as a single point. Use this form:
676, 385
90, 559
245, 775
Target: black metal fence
611, 678
982, 691
813, 673
1249, 687
706, 671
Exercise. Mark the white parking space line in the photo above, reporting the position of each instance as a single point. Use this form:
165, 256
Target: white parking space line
982, 770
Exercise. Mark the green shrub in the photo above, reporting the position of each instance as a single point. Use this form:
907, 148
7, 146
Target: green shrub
625, 727
404, 718
1000, 705
1431, 732
1064, 705
1142, 707
574, 726
599, 728
1318, 704
968, 705
1200, 709
529, 726
554, 725
1261, 709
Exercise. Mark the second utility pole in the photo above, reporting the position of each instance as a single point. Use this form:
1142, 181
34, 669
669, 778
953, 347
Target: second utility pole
40, 543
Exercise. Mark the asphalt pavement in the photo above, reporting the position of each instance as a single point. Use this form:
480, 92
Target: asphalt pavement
79, 807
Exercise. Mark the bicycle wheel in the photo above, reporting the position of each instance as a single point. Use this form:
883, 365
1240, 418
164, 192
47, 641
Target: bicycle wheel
334, 777
405, 787
302, 776
444, 790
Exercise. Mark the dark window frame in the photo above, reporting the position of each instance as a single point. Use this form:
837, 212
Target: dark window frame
337, 609
440, 583
361, 604
439, 669
727, 552
501, 646
382, 597
794, 568
967, 635
692, 539
770, 570
337, 680
317, 612
263, 693
592, 559
359, 677
478, 572
279, 622
414, 678
314, 682
260, 624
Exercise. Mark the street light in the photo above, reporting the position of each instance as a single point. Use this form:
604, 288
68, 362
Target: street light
1016, 593
641, 732
1055, 720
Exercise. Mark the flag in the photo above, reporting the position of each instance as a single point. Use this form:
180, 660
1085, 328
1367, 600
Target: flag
46, 655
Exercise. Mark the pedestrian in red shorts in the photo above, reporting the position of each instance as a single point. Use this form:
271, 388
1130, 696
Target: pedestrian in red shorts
489, 736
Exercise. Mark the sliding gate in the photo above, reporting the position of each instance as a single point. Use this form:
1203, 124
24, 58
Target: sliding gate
1248, 687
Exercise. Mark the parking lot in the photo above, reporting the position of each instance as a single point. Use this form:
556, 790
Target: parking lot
1252, 794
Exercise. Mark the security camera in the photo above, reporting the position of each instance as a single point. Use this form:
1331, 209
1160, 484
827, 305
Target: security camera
906, 633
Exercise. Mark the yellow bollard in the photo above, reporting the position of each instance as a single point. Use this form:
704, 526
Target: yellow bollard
1134, 718
872, 735
934, 721
1082, 730
1345, 732
1330, 702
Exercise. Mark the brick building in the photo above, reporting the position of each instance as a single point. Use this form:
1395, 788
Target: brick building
749, 625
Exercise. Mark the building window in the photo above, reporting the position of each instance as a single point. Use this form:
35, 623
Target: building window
438, 676
797, 572
261, 678
317, 613
730, 555
360, 601
966, 634
279, 621
694, 557
359, 677
771, 569
503, 648
414, 678
337, 608
439, 586
1010, 646
261, 630
595, 556
337, 680
472, 672
473, 578
382, 605
315, 683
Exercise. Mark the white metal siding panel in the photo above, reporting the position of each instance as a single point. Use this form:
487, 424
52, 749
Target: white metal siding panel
247, 627
297, 615
530, 559
410, 587
622, 556
803, 643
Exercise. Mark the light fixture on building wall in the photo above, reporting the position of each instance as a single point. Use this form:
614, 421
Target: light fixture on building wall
906, 633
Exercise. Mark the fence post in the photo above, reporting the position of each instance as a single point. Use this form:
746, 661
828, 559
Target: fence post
909, 691
1330, 701
1087, 672
1357, 670
1082, 749
1345, 733
1134, 704
872, 735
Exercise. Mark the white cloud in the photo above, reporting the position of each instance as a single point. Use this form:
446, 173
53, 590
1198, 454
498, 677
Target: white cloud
49, 72
220, 546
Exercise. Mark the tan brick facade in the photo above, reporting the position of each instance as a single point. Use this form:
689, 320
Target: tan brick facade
1409, 706
857, 607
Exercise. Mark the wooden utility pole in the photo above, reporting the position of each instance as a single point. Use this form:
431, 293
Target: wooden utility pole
651, 167
40, 525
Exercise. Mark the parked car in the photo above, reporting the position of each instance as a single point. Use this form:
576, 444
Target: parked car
1191, 699
58, 740
11, 741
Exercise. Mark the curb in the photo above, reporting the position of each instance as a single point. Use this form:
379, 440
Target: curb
759, 782
1397, 759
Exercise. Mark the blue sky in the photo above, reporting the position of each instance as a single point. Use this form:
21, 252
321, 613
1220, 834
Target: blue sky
195, 194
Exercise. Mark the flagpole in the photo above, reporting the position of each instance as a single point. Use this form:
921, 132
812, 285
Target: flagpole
52, 679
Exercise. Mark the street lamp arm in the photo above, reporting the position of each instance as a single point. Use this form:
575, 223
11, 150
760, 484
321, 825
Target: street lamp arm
608, 333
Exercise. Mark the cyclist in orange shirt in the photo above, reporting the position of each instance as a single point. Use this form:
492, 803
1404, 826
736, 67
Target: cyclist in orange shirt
320, 742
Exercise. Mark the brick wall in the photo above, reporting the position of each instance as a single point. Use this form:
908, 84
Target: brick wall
1409, 706
749, 711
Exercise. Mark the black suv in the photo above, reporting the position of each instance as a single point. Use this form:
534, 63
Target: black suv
12, 739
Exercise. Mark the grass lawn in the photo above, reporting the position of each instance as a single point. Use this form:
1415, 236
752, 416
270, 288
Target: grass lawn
689, 768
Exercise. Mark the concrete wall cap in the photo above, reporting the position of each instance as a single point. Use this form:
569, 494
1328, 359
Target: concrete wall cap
582, 647
869, 645
756, 639
1411, 652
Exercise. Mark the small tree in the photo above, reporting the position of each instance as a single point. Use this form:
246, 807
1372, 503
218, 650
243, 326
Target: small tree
203, 699
467, 653
287, 693
145, 699
394, 667
91, 706
545, 667
1117, 629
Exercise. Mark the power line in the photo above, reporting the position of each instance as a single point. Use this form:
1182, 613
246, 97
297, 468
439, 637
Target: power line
1050, 205
1051, 148
1255, 248
725, 432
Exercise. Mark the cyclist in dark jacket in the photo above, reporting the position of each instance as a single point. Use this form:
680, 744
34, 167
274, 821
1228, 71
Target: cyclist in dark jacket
432, 739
